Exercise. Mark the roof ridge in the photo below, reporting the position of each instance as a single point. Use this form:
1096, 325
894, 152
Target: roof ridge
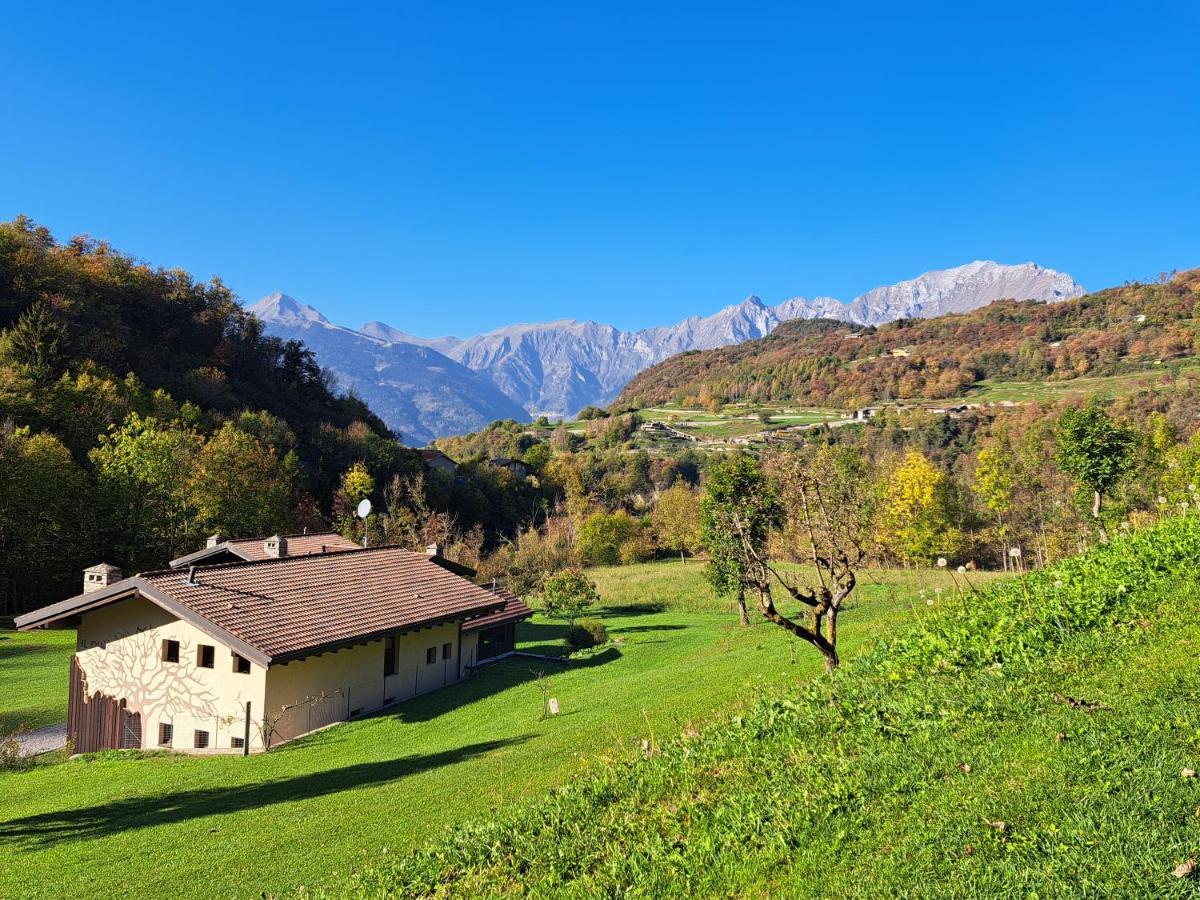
282, 559
294, 534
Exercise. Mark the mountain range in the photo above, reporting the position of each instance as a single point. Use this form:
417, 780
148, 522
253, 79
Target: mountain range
431, 387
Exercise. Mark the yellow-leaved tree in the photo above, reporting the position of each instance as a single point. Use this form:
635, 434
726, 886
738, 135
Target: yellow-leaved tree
916, 522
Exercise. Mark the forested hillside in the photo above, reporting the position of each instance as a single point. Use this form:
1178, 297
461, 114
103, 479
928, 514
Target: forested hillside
141, 409
833, 364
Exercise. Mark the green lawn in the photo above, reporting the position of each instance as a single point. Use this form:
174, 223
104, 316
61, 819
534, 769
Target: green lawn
1040, 739
35, 677
164, 825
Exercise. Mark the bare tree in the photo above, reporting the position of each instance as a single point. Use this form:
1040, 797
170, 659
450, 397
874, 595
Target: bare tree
818, 502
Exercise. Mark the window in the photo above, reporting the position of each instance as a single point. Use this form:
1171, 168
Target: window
389, 657
171, 651
166, 733
431, 656
446, 650
201, 740
204, 655
241, 665
237, 743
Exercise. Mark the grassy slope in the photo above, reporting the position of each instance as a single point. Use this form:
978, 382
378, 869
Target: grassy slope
173, 825
954, 762
35, 677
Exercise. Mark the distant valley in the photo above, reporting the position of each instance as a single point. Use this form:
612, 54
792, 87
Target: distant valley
425, 388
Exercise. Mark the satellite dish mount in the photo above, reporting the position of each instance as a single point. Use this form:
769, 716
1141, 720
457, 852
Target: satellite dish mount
364, 510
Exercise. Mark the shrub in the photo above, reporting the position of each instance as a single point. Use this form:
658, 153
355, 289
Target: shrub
635, 550
568, 594
602, 534
586, 633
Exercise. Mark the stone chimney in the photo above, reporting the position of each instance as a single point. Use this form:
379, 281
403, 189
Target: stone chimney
275, 546
97, 578
214, 539
434, 550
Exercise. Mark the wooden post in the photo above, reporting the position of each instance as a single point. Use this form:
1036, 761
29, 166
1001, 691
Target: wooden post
246, 739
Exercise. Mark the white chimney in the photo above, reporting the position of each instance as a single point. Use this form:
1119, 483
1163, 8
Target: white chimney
214, 539
275, 546
97, 578
434, 549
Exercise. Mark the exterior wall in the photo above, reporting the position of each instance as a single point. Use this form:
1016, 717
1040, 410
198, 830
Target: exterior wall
316, 691
119, 651
470, 647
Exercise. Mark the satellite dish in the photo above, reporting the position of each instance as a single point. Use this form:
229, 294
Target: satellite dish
364, 509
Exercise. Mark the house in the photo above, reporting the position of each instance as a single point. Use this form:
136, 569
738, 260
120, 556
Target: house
242, 655
220, 549
518, 468
436, 459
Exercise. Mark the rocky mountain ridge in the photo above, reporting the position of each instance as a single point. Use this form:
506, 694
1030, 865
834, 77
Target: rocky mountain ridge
556, 368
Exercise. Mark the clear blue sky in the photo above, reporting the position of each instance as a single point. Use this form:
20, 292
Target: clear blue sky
452, 167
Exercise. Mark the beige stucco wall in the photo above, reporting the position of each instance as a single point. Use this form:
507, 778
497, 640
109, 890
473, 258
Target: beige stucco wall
119, 649
317, 691
470, 646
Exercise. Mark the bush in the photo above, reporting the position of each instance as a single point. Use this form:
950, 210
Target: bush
601, 535
635, 550
586, 633
568, 594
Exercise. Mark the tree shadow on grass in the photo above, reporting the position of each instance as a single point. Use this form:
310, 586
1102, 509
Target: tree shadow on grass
48, 829
492, 679
632, 609
635, 629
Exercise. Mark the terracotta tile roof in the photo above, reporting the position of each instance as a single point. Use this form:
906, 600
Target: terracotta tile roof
253, 549
514, 611
294, 606
297, 544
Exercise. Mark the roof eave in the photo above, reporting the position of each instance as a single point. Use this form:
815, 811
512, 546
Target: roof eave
367, 637
121, 590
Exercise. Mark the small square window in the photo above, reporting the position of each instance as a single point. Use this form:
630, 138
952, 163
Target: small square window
431, 656
447, 650
201, 740
241, 665
170, 651
204, 656
237, 743
166, 732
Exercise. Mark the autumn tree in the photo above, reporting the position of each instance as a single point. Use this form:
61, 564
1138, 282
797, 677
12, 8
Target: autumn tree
675, 519
1097, 451
916, 520
240, 487
995, 480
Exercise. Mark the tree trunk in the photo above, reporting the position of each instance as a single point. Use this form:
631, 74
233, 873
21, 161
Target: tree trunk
743, 614
1096, 515
831, 658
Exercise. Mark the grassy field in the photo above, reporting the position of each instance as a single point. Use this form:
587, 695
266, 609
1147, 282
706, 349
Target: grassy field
164, 825
35, 677
1039, 739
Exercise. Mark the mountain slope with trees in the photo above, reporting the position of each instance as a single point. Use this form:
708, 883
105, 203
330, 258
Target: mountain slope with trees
141, 409
833, 364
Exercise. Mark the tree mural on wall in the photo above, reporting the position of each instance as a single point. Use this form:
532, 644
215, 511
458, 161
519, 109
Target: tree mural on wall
131, 668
